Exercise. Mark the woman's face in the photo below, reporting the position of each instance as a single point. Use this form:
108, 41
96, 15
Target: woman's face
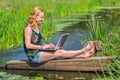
40, 18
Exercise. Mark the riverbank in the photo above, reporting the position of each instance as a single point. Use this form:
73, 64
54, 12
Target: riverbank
14, 14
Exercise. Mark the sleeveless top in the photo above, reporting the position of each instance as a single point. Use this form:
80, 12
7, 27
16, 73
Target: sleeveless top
36, 39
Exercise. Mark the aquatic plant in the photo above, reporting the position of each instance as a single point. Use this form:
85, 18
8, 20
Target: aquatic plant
114, 69
15, 13
110, 43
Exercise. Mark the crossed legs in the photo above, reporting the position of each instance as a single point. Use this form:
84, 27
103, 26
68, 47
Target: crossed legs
85, 52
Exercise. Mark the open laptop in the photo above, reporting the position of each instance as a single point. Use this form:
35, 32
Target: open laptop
59, 44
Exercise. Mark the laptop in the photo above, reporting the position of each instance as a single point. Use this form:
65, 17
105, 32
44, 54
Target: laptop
59, 44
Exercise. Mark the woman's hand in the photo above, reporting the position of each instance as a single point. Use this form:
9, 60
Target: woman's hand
48, 46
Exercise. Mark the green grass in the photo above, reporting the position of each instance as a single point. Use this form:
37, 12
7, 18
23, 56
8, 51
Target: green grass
114, 70
110, 37
108, 34
14, 13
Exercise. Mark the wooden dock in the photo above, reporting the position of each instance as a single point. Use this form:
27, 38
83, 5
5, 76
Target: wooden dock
89, 64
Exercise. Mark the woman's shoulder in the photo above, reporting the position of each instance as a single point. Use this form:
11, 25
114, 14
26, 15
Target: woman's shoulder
28, 28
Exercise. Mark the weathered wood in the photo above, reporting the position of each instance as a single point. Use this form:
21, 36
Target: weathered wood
89, 64
97, 45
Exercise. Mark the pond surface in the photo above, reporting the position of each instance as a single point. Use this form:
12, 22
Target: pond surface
48, 75
74, 41
78, 33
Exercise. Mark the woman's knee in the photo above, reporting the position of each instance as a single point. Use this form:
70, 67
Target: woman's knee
61, 52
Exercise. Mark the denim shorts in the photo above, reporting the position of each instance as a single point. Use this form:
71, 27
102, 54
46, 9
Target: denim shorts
36, 58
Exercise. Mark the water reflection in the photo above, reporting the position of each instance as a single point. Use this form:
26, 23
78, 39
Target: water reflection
73, 42
78, 33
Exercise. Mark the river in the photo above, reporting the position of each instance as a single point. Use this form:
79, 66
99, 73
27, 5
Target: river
78, 34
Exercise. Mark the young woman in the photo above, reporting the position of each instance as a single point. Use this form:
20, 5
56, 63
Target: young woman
33, 37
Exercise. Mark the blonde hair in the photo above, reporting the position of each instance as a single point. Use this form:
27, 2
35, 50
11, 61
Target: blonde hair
32, 18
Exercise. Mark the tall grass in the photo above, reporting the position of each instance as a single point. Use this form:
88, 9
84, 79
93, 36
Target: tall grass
114, 70
14, 14
110, 37
11, 29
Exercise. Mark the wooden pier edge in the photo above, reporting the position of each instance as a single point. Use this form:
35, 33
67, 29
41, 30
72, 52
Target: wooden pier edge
89, 64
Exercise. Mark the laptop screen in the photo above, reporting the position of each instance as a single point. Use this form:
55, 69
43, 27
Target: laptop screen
59, 44
61, 40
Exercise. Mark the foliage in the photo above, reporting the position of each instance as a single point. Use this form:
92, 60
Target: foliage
95, 3
14, 13
109, 35
114, 70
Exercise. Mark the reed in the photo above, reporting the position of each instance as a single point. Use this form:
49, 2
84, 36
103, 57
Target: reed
110, 42
109, 37
15, 13
114, 70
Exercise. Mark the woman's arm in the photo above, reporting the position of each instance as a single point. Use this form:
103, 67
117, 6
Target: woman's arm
27, 35
29, 45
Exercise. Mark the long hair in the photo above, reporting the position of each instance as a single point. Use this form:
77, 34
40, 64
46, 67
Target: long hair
32, 18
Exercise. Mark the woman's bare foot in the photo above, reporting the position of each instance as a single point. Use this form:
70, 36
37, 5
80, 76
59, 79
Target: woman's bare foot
87, 46
88, 51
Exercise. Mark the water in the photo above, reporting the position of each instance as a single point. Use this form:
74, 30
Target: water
78, 33
49, 75
74, 42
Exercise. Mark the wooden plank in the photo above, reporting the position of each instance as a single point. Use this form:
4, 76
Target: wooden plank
89, 64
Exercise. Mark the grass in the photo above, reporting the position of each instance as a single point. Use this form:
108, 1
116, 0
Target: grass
110, 37
108, 34
14, 13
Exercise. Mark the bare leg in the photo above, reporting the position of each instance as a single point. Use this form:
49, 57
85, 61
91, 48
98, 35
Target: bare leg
71, 53
46, 56
79, 53
85, 52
